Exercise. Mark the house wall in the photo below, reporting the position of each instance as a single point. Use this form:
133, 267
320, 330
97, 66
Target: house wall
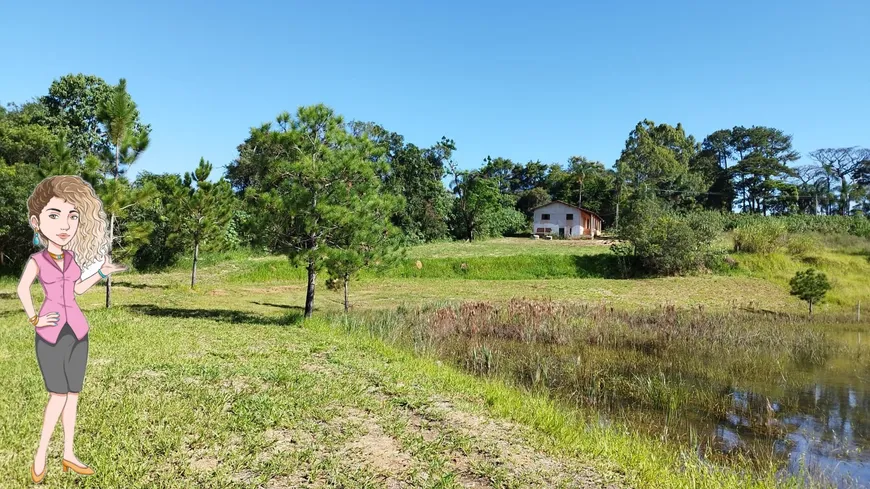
594, 224
558, 213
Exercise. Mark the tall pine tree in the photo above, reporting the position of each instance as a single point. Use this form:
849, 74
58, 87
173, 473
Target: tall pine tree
314, 188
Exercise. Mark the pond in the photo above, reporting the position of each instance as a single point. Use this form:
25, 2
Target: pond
826, 425
744, 388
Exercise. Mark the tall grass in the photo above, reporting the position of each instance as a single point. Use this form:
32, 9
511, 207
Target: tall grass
801, 223
762, 236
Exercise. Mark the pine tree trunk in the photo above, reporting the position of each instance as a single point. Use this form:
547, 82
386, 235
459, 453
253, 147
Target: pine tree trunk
346, 303
109, 278
844, 196
616, 219
309, 296
195, 258
117, 168
115, 172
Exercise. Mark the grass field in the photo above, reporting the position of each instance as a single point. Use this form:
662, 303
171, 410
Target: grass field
175, 401
179, 396
224, 386
562, 269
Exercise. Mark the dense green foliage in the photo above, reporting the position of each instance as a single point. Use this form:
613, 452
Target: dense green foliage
665, 242
16, 183
158, 252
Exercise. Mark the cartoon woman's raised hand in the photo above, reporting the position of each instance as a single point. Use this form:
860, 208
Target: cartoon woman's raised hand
109, 267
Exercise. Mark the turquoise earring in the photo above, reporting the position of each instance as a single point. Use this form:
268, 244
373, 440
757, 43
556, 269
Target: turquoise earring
35, 238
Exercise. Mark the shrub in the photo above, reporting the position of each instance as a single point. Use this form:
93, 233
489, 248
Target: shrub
718, 261
667, 243
714, 219
801, 244
860, 226
764, 236
624, 257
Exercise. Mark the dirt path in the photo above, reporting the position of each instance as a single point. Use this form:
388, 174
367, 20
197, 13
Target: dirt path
398, 441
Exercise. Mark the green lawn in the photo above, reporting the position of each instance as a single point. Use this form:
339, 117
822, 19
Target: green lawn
184, 397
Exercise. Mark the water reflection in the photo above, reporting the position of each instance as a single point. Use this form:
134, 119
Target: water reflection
824, 427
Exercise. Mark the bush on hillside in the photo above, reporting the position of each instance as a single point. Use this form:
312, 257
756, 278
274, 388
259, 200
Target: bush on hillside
667, 243
801, 244
624, 253
716, 220
763, 237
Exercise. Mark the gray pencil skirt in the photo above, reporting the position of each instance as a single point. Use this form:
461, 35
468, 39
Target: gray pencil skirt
63, 364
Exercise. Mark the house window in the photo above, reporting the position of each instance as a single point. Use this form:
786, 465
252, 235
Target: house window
545, 217
569, 217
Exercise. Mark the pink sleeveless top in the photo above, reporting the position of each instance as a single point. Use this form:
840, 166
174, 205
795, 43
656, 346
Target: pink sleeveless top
59, 287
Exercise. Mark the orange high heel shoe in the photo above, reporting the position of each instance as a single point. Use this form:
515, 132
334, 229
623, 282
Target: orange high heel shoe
38, 478
78, 469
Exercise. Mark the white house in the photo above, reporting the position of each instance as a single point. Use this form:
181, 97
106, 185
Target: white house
563, 219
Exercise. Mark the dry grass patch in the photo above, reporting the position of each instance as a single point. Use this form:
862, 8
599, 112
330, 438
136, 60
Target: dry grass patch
205, 463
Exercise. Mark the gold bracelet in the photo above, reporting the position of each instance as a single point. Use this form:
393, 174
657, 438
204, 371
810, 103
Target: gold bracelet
34, 320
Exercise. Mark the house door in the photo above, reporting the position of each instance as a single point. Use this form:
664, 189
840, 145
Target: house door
561, 232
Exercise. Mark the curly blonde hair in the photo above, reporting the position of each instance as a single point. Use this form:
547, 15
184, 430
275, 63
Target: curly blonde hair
91, 242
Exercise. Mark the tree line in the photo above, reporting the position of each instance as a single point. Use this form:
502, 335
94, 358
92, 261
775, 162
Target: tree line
340, 195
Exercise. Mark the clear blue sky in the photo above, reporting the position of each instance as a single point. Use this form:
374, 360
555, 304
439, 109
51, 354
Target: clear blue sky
500, 78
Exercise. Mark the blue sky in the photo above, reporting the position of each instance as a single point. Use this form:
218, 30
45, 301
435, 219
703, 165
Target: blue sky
507, 79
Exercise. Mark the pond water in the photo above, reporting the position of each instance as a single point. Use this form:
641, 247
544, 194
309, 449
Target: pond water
821, 426
806, 419
828, 429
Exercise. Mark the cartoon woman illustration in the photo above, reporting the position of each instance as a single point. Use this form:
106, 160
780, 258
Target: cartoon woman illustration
68, 220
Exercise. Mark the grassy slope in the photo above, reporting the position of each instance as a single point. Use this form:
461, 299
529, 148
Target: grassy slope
845, 260
175, 401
